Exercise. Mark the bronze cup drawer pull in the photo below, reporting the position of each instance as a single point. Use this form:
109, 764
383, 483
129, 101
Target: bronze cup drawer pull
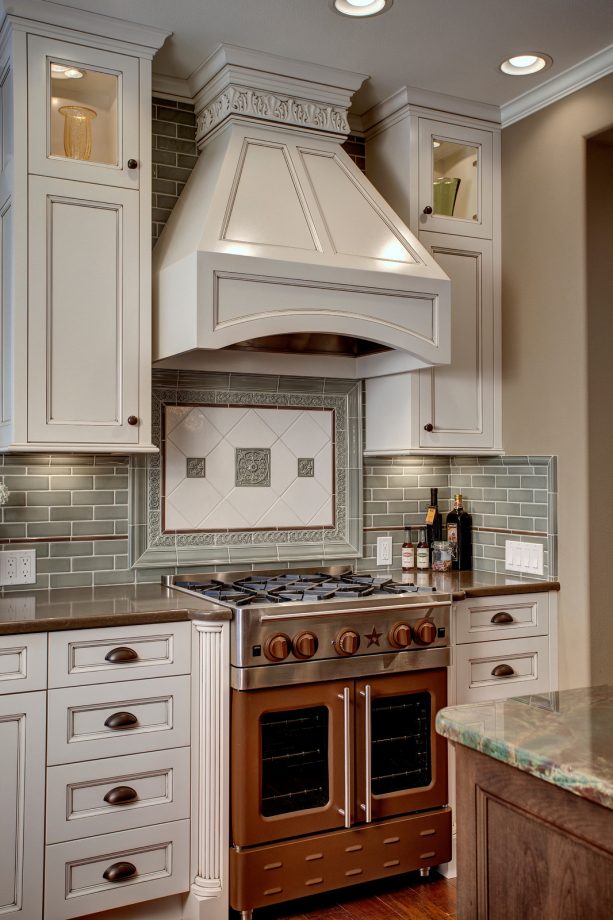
502, 617
121, 654
121, 795
503, 670
119, 872
121, 720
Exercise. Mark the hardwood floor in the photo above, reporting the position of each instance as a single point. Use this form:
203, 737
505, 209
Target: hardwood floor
408, 897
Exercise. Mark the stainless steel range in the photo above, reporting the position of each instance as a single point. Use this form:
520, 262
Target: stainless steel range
326, 623
337, 774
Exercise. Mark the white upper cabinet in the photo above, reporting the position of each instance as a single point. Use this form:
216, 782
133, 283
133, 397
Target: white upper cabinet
455, 179
82, 113
445, 175
75, 231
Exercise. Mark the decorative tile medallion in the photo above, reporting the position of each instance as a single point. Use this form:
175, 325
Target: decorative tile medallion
196, 467
252, 466
306, 467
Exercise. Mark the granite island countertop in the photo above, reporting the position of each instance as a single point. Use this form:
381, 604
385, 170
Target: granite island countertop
113, 605
563, 737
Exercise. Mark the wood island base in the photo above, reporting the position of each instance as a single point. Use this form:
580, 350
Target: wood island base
528, 849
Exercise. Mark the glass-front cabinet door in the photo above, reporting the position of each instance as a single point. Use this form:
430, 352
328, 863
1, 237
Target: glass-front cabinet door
83, 113
291, 761
401, 763
455, 179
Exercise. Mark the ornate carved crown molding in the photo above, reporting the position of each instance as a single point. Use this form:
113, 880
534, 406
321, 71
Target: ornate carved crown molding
272, 107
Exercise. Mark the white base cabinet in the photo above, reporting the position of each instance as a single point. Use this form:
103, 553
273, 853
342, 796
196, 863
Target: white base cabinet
22, 804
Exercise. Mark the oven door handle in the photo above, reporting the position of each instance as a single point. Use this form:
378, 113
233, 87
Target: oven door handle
346, 810
367, 806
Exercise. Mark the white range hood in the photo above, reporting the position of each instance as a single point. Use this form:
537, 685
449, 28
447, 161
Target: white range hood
280, 256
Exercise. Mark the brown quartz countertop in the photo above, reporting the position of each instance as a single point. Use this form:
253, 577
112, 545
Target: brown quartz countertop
115, 605
477, 584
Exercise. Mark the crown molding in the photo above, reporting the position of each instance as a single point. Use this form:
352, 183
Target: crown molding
407, 96
569, 81
41, 12
168, 87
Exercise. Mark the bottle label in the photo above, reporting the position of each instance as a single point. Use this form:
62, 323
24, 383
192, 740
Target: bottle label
423, 557
408, 557
452, 533
430, 515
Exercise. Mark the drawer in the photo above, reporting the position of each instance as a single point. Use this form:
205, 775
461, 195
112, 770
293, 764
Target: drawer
23, 663
159, 711
75, 883
528, 659
152, 788
101, 656
512, 616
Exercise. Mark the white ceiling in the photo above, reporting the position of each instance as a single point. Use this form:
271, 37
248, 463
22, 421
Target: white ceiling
445, 46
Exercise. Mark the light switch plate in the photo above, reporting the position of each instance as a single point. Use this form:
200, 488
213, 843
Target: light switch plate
384, 550
523, 557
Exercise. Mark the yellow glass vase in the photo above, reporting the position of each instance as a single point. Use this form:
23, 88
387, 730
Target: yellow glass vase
77, 131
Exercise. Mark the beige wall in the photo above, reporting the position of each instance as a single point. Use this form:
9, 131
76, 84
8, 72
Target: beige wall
548, 331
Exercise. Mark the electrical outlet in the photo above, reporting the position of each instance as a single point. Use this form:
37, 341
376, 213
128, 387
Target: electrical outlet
384, 550
18, 567
523, 557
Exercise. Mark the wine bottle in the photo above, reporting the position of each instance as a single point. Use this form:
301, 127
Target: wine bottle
434, 520
459, 532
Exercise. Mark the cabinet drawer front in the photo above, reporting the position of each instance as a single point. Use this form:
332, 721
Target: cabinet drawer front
75, 882
528, 659
76, 805
97, 656
158, 711
23, 663
483, 619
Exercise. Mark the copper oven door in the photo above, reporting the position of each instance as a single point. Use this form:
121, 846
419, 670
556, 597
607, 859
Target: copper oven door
291, 761
401, 763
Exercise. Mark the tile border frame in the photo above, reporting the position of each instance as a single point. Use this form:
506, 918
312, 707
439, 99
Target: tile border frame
149, 547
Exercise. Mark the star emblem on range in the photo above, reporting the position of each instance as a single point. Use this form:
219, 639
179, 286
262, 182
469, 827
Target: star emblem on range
373, 637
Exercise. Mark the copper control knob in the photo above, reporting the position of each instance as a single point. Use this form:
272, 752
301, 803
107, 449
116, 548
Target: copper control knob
424, 632
305, 645
347, 643
278, 647
400, 635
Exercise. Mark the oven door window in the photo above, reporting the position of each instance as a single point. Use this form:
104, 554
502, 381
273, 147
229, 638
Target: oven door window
294, 746
401, 754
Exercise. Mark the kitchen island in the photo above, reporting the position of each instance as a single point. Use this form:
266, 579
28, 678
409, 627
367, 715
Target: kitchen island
534, 797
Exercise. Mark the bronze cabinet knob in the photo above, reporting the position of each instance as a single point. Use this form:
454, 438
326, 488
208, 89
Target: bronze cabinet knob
133, 420
132, 164
427, 209
121, 795
121, 720
119, 871
429, 427
121, 654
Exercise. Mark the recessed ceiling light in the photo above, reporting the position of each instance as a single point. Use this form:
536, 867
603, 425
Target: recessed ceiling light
61, 72
523, 64
361, 8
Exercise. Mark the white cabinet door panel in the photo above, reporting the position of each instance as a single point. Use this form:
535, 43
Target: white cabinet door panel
23, 663
525, 661
83, 312
108, 88
458, 399
511, 616
22, 800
